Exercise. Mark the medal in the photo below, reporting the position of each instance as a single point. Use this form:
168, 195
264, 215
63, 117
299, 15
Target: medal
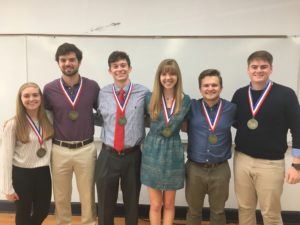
252, 124
122, 121
212, 137
41, 152
122, 106
73, 114
167, 132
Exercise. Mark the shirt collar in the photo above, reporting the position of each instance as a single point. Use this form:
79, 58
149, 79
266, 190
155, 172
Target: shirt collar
125, 88
214, 107
75, 85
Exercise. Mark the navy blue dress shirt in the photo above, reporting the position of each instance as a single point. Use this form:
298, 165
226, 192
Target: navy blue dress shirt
199, 148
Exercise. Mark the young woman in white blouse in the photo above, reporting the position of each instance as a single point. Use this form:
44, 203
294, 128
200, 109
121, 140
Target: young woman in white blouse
25, 155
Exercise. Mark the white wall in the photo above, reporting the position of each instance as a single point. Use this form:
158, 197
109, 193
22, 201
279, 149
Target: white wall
31, 30
156, 17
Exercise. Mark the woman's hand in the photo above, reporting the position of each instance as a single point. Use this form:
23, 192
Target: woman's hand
12, 197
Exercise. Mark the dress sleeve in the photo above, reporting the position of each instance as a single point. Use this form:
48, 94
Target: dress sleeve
7, 152
187, 105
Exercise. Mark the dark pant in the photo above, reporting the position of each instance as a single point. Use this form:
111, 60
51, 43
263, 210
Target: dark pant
33, 187
111, 169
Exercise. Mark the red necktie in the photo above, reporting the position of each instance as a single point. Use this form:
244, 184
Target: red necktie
119, 129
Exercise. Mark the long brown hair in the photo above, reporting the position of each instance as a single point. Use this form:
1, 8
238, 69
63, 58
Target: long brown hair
166, 66
22, 128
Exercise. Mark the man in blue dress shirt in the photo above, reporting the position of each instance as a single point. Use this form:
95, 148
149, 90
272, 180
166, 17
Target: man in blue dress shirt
121, 106
209, 148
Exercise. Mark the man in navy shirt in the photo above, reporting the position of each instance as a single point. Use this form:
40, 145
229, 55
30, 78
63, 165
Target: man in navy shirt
209, 148
265, 112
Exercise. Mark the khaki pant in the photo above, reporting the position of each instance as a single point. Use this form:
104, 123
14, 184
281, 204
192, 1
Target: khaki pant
81, 162
258, 180
200, 182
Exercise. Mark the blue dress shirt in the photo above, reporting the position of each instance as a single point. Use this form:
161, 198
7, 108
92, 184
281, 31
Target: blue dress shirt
134, 112
199, 149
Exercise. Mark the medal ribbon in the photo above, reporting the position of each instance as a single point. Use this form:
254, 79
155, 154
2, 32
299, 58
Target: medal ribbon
72, 103
38, 131
119, 105
212, 125
255, 109
168, 113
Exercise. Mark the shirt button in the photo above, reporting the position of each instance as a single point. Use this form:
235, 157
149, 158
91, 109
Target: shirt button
207, 160
207, 150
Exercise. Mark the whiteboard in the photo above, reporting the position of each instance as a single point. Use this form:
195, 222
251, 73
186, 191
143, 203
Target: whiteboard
13, 72
32, 58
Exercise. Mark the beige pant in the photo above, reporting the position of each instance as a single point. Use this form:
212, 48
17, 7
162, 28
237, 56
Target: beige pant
258, 180
81, 161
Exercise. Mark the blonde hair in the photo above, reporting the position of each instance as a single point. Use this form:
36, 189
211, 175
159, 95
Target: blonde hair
22, 127
166, 66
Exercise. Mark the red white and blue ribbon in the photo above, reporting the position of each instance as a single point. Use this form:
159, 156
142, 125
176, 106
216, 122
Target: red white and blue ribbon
72, 103
168, 113
37, 130
255, 108
122, 106
212, 124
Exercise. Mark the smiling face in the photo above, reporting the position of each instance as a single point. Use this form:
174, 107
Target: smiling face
168, 80
210, 89
120, 71
259, 72
31, 99
69, 64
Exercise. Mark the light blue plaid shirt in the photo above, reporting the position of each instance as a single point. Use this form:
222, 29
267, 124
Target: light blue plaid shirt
134, 113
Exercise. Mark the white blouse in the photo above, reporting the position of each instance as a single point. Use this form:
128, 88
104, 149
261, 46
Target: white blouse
15, 153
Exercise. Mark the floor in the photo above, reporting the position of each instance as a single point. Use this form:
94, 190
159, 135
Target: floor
8, 219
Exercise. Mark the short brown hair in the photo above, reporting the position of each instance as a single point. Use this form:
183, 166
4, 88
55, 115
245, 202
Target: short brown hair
262, 55
66, 48
118, 55
211, 73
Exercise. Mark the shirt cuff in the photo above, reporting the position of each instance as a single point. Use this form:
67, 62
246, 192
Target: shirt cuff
296, 152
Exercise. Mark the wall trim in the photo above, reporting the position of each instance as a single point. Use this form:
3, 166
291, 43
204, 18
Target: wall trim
289, 217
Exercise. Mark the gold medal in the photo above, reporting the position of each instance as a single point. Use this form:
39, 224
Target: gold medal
212, 139
167, 132
252, 124
73, 115
122, 121
41, 152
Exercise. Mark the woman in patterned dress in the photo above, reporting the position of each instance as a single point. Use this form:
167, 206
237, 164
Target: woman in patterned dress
162, 169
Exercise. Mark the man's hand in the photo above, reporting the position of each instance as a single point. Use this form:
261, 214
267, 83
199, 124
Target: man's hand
293, 176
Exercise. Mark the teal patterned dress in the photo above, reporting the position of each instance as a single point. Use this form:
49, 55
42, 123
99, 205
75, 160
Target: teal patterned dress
163, 157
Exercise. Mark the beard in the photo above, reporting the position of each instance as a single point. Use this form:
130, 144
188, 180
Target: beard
69, 73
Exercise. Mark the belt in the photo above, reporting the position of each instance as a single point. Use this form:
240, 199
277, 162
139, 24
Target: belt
73, 145
124, 151
208, 165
